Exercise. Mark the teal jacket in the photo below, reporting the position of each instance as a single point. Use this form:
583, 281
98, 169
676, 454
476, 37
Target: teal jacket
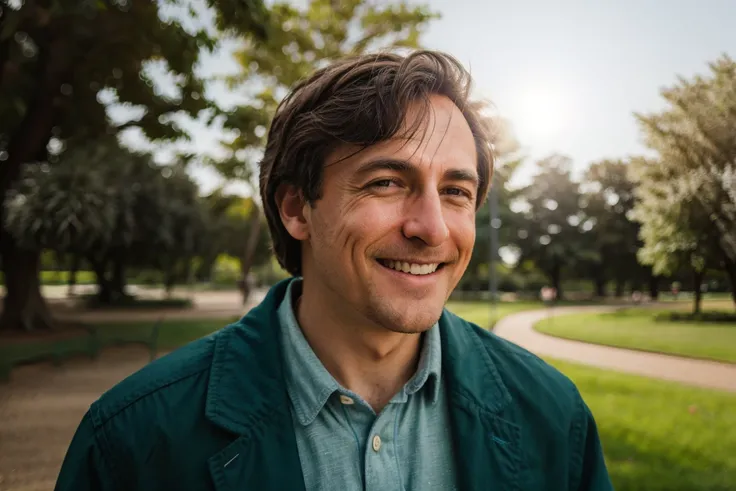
215, 415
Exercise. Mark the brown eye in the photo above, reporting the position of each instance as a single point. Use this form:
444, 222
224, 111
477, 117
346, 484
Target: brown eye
458, 192
382, 184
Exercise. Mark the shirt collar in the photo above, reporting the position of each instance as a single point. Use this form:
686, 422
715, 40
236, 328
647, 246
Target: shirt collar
310, 385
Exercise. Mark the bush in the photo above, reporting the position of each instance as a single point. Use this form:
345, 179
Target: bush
226, 270
62, 278
131, 302
269, 274
713, 317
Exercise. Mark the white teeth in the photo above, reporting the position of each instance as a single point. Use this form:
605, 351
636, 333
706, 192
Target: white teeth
411, 268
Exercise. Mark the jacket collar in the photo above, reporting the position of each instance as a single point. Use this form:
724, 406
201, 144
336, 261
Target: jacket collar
246, 384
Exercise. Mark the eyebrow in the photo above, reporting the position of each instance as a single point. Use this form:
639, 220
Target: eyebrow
404, 167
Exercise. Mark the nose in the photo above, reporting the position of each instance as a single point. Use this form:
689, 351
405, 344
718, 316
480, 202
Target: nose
425, 220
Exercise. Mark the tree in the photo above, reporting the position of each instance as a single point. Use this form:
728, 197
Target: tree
63, 63
301, 40
608, 198
694, 140
553, 224
114, 208
478, 267
233, 220
675, 228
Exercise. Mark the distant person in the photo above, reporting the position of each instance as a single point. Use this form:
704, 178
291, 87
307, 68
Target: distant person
636, 296
351, 375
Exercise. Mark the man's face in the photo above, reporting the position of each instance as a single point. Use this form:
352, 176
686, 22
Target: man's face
394, 230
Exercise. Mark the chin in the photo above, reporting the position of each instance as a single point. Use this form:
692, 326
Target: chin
412, 320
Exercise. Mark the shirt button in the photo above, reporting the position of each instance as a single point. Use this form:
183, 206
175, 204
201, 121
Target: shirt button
346, 400
376, 443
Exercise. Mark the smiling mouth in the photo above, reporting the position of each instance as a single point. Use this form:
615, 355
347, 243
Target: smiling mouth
415, 269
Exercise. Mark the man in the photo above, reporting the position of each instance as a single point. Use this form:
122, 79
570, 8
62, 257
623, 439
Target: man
351, 375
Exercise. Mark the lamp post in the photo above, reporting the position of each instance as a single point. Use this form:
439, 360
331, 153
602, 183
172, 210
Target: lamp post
494, 224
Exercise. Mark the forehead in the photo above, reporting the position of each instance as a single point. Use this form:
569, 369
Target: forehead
442, 141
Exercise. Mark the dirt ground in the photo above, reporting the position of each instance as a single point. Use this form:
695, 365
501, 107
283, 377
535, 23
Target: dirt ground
41, 407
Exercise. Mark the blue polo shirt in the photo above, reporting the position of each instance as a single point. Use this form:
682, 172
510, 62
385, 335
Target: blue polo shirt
344, 445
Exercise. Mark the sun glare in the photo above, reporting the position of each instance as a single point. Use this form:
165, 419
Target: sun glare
541, 114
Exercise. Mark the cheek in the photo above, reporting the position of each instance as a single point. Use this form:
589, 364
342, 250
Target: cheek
354, 225
462, 230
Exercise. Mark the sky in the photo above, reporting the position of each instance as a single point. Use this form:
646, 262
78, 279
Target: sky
568, 74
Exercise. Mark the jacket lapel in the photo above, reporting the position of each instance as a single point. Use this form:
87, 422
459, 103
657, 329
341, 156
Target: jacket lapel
487, 448
247, 397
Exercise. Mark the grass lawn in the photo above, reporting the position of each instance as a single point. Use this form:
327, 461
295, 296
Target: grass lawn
636, 328
660, 436
480, 312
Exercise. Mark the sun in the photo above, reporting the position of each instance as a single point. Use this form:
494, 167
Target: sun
541, 114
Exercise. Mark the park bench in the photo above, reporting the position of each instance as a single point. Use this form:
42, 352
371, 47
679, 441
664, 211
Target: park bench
87, 345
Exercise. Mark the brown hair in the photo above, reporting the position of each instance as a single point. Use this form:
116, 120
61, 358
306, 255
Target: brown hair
360, 100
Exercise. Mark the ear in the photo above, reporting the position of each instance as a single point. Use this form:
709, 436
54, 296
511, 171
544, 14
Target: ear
291, 204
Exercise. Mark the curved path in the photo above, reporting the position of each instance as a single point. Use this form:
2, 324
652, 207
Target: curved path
518, 328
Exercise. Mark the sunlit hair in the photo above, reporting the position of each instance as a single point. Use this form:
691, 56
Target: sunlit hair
359, 101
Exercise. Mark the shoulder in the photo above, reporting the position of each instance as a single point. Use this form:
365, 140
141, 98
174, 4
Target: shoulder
172, 373
149, 418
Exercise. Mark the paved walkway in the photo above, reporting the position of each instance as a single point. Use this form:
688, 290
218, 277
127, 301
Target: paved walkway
518, 328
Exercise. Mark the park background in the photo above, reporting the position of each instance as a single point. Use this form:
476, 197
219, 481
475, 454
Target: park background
130, 133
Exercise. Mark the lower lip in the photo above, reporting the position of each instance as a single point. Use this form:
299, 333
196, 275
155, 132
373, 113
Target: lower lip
414, 278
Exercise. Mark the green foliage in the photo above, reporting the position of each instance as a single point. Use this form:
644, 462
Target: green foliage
504, 197
63, 63
226, 270
300, 40
715, 317
608, 199
552, 227
270, 273
688, 193
230, 227
675, 229
105, 203
50, 278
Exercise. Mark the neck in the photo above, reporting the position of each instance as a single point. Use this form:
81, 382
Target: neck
367, 359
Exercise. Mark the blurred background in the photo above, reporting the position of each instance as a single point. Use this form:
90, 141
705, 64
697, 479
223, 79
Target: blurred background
130, 224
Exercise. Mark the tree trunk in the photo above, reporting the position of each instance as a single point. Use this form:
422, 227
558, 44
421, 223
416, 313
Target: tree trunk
170, 277
653, 286
72, 280
118, 279
24, 308
600, 285
246, 262
556, 278
731, 273
620, 286
698, 294
104, 284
